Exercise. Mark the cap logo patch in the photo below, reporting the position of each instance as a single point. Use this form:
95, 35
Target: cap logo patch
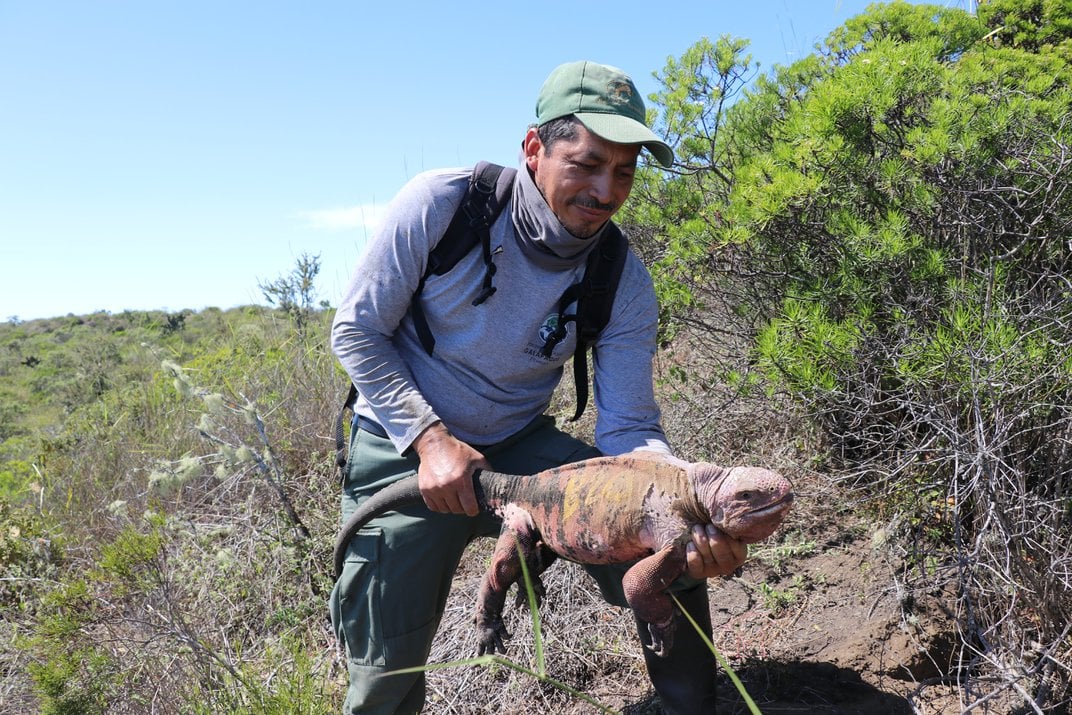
619, 92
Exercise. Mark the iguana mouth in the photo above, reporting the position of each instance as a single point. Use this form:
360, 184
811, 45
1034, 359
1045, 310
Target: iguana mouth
778, 506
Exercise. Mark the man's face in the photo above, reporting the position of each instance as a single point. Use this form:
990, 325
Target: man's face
584, 181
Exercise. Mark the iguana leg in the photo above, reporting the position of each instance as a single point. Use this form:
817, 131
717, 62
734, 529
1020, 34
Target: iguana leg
645, 585
505, 570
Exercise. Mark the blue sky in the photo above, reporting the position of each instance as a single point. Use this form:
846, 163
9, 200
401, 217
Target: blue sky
172, 154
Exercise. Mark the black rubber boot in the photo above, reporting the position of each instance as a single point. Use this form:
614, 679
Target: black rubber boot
685, 678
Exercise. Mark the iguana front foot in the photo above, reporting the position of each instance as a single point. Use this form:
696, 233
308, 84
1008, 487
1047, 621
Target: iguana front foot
662, 637
492, 635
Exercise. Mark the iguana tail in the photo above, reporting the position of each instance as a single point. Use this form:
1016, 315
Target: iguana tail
394, 496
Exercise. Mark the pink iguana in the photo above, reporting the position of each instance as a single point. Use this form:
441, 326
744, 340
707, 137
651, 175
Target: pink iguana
608, 510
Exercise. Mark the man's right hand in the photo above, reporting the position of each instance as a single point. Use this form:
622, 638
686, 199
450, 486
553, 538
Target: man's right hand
445, 474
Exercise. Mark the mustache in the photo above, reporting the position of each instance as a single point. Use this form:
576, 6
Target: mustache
589, 203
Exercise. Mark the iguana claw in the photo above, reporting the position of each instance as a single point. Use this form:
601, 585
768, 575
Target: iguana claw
662, 637
492, 634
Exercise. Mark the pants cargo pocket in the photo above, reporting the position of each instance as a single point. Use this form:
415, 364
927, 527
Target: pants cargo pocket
412, 648
356, 599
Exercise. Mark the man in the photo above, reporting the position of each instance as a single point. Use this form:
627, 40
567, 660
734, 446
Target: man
477, 400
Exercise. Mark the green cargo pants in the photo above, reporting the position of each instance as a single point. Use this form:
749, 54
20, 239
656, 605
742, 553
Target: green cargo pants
388, 602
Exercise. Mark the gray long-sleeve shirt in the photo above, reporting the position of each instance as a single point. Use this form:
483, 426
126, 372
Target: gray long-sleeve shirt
487, 377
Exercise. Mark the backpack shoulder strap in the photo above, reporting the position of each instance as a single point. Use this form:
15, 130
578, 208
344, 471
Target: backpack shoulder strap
598, 288
487, 194
340, 439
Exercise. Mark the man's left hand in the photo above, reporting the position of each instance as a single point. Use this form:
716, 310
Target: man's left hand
712, 553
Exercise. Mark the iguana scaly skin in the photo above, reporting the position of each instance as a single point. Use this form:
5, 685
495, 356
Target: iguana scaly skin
608, 510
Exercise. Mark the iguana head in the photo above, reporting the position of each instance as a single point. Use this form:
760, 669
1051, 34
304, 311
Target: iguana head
748, 503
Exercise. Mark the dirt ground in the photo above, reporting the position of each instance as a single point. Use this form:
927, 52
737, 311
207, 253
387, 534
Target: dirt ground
843, 643
815, 623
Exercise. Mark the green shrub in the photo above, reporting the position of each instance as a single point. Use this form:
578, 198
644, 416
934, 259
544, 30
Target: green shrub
885, 224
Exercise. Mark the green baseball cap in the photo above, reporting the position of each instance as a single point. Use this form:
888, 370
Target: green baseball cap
605, 100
